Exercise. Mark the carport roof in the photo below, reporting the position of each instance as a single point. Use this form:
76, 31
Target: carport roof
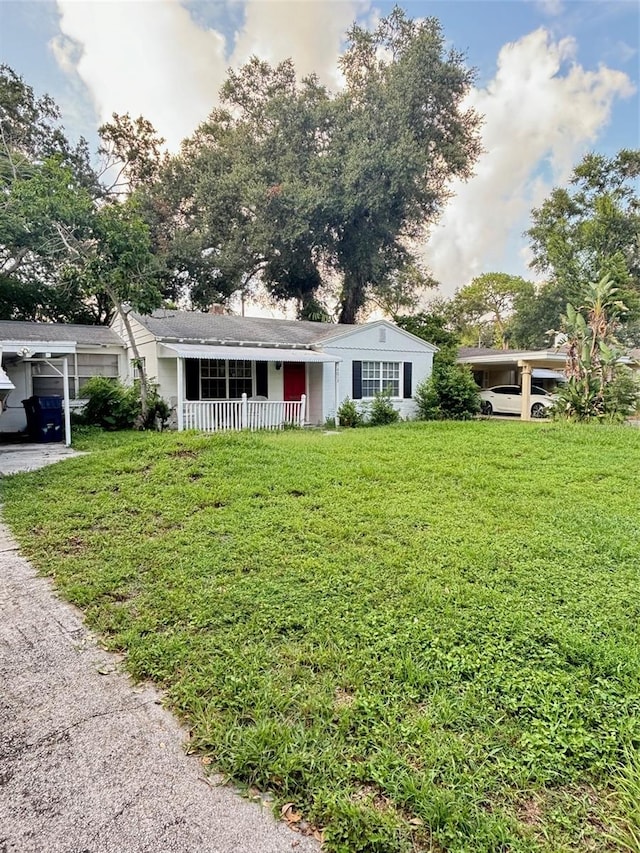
488, 357
25, 331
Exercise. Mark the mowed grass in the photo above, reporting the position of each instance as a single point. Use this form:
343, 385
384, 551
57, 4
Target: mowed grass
426, 636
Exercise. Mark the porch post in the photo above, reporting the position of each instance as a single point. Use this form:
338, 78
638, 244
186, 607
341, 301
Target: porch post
180, 368
336, 365
525, 412
244, 406
303, 406
67, 411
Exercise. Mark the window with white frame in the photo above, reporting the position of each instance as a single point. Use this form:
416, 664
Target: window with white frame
137, 366
221, 379
47, 377
380, 377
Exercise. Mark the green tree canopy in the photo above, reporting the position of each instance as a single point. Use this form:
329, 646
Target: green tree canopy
434, 326
306, 190
69, 251
589, 230
484, 308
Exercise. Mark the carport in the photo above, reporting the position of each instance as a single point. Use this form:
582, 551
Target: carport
514, 367
16, 355
54, 360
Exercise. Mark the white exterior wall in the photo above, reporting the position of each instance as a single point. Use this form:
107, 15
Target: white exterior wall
167, 378
275, 382
315, 392
147, 347
365, 344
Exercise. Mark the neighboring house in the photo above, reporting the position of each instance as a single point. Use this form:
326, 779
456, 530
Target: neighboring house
201, 360
36, 356
210, 366
493, 367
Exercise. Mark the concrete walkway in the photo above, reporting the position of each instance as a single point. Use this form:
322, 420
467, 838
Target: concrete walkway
88, 761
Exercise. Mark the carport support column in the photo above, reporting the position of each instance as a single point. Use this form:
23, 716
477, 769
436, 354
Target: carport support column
67, 409
525, 412
180, 369
337, 391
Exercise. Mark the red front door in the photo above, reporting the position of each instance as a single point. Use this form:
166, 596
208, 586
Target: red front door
295, 382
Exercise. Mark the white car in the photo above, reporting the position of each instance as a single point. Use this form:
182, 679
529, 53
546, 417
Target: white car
507, 400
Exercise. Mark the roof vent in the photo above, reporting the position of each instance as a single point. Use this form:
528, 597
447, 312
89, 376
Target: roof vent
382, 335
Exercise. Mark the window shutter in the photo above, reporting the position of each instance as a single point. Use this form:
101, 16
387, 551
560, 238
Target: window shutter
406, 381
192, 378
262, 381
356, 368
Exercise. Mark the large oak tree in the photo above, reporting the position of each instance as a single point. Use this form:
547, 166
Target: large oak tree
304, 190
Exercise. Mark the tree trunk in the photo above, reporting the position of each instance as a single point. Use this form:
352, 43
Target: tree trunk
124, 314
353, 297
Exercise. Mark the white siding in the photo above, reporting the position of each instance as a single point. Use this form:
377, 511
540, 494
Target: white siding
147, 347
315, 394
378, 342
275, 382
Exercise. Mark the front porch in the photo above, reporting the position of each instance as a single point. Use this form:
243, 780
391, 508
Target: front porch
235, 387
245, 413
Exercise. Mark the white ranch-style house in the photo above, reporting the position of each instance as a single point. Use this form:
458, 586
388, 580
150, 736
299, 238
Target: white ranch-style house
219, 371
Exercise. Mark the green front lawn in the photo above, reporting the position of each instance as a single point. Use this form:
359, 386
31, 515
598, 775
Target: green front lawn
426, 637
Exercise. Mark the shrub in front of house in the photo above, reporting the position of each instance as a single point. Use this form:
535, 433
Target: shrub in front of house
382, 412
450, 393
377, 412
112, 405
349, 415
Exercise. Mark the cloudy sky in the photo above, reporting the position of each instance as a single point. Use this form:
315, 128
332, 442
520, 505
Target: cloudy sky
555, 79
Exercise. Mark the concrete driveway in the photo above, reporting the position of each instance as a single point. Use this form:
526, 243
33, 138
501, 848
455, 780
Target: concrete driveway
28, 457
91, 763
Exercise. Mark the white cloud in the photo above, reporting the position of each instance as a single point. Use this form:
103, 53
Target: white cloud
308, 31
153, 59
623, 52
541, 109
551, 7
148, 59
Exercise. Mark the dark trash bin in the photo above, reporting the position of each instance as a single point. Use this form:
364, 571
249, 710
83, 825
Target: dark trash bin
44, 418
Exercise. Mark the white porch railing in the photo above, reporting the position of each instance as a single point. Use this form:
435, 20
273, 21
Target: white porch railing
220, 415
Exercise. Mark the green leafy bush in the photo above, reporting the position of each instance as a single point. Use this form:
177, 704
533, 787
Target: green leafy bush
449, 394
381, 411
589, 398
599, 387
158, 411
621, 395
113, 405
110, 404
349, 415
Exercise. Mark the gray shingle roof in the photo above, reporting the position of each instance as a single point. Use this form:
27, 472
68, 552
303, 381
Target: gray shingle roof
196, 326
19, 330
